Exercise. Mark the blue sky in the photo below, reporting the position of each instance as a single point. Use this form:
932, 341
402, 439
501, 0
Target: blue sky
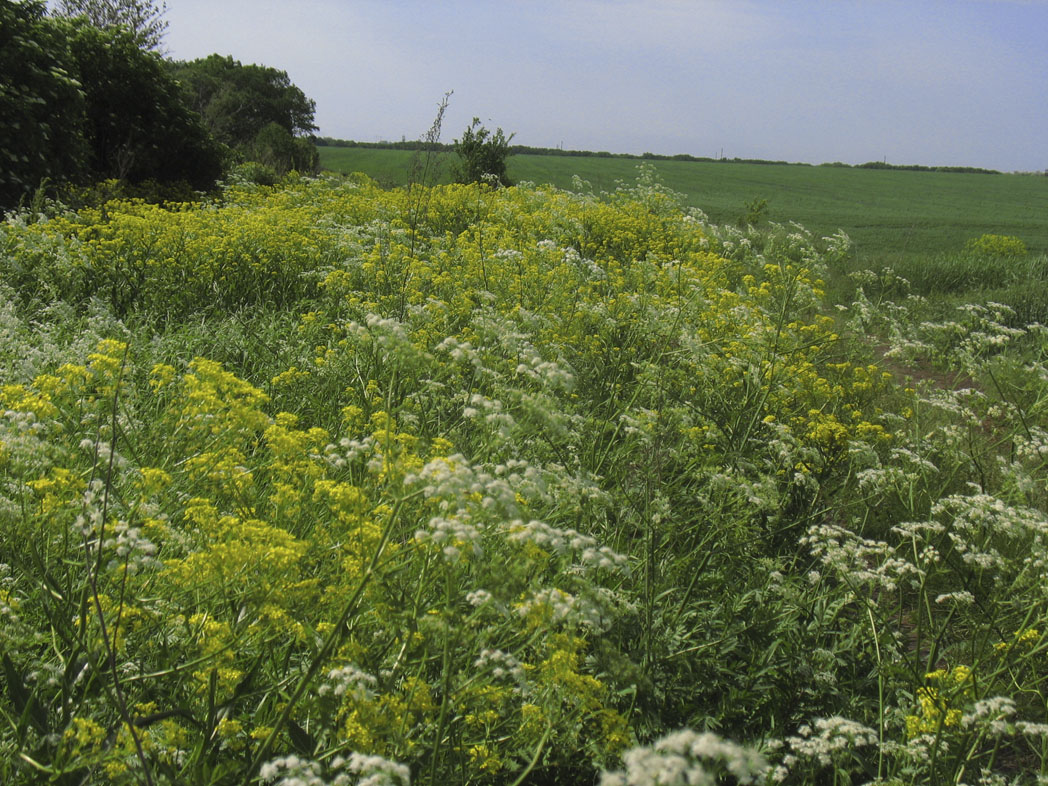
911, 81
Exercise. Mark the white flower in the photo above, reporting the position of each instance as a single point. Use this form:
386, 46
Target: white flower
688, 758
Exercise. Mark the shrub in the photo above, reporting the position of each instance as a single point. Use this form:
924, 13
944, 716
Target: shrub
483, 155
996, 246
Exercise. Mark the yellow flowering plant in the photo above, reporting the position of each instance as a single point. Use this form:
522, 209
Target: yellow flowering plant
496, 484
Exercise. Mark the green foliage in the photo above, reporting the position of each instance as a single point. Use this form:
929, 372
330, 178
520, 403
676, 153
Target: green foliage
254, 172
754, 213
41, 105
275, 148
137, 126
83, 103
887, 214
539, 478
238, 101
482, 155
143, 18
996, 246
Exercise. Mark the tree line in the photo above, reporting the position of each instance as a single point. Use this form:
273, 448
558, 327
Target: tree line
86, 96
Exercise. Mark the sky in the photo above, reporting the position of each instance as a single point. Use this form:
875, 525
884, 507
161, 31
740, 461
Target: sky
931, 82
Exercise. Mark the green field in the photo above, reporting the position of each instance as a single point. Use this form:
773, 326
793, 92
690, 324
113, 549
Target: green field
890, 215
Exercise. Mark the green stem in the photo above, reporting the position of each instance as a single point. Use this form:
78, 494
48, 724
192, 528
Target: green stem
333, 639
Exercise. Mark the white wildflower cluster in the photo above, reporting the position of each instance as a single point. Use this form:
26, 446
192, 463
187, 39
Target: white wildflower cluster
904, 469
958, 598
546, 372
587, 267
514, 255
388, 337
386, 332
501, 665
456, 536
348, 682
128, 547
857, 560
913, 463
836, 247
490, 412
479, 597
639, 424
981, 332
963, 405
1032, 445
922, 537
906, 349
761, 492
461, 352
23, 442
89, 522
991, 714
688, 758
988, 330
103, 453
829, 741
29, 347
454, 484
561, 541
348, 451
357, 769
555, 606
8, 602
1032, 729
824, 666
50, 674
976, 521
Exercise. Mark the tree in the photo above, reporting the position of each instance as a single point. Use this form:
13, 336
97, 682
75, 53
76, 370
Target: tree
137, 124
142, 17
277, 149
79, 103
483, 154
41, 117
237, 101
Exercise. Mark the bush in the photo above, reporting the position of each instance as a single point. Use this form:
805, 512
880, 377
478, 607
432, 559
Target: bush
996, 246
483, 155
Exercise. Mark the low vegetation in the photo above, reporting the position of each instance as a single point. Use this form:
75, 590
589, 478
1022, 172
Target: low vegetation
892, 216
329, 483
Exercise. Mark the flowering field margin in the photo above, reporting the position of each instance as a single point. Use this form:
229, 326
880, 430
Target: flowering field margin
329, 482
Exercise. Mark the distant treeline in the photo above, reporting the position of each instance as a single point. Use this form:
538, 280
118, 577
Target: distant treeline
525, 150
971, 170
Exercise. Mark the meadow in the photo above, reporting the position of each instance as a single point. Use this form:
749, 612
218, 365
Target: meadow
915, 223
888, 214
331, 483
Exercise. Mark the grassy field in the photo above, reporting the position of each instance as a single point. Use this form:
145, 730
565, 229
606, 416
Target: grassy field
890, 215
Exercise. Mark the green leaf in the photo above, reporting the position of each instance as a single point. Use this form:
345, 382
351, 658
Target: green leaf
22, 698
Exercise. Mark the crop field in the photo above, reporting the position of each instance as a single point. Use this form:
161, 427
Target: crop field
890, 215
332, 483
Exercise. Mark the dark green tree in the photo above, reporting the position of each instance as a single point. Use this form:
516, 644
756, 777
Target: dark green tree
237, 101
79, 103
482, 155
137, 124
41, 105
277, 149
143, 18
